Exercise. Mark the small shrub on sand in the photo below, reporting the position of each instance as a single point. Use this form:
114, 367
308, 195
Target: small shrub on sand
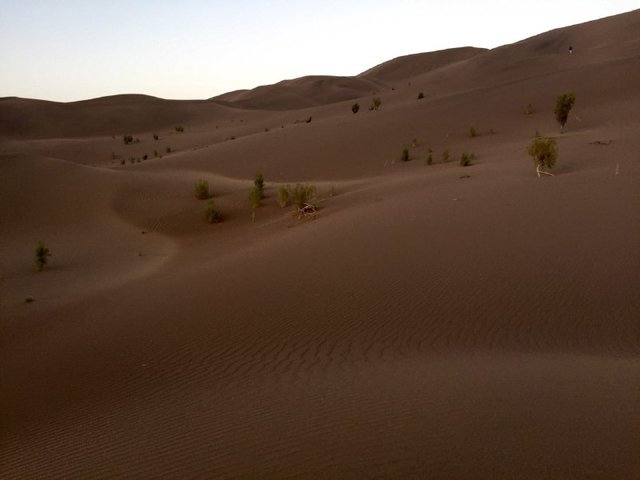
168, 149
212, 214
42, 255
201, 189
430, 157
302, 195
466, 159
420, 96
528, 110
283, 196
258, 183
472, 132
122, 162
355, 108
375, 103
179, 129
127, 139
414, 143
564, 104
445, 156
155, 136
404, 156
308, 120
544, 152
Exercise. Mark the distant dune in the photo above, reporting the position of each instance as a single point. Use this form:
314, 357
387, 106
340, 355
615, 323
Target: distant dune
429, 321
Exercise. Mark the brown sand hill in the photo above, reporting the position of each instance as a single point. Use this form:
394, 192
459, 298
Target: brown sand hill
431, 322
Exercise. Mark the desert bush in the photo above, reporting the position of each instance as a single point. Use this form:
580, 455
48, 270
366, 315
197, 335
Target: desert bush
308, 120
528, 110
122, 162
544, 152
145, 156
212, 214
445, 156
155, 153
168, 149
355, 108
429, 157
564, 104
127, 139
375, 103
179, 129
472, 132
155, 136
414, 143
404, 156
42, 255
283, 196
258, 183
201, 189
420, 96
466, 159
303, 194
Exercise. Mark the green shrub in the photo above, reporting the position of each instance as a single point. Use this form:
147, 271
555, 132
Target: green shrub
201, 189
303, 194
212, 214
179, 129
430, 157
564, 104
528, 110
472, 132
127, 139
544, 152
404, 156
283, 196
420, 96
466, 159
445, 156
258, 183
355, 108
375, 103
42, 255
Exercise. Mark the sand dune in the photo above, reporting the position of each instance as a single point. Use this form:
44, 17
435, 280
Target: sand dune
433, 321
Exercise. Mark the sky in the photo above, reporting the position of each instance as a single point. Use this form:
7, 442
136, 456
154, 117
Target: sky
68, 50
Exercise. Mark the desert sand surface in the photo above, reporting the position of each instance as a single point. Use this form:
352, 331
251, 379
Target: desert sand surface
431, 321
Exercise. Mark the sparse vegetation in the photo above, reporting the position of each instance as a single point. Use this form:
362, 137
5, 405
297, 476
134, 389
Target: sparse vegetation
492, 131
414, 143
472, 132
302, 195
156, 137
375, 103
355, 108
420, 96
122, 162
42, 255
308, 120
283, 196
155, 153
528, 110
212, 214
445, 156
544, 152
168, 149
466, 159
564, 104
127, 139
429, 157
404, 156
201, 189
258, 183
179, 129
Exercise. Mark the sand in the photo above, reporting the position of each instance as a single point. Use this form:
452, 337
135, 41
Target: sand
432, 321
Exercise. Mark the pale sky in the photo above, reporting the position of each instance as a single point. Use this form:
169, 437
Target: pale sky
67, 50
